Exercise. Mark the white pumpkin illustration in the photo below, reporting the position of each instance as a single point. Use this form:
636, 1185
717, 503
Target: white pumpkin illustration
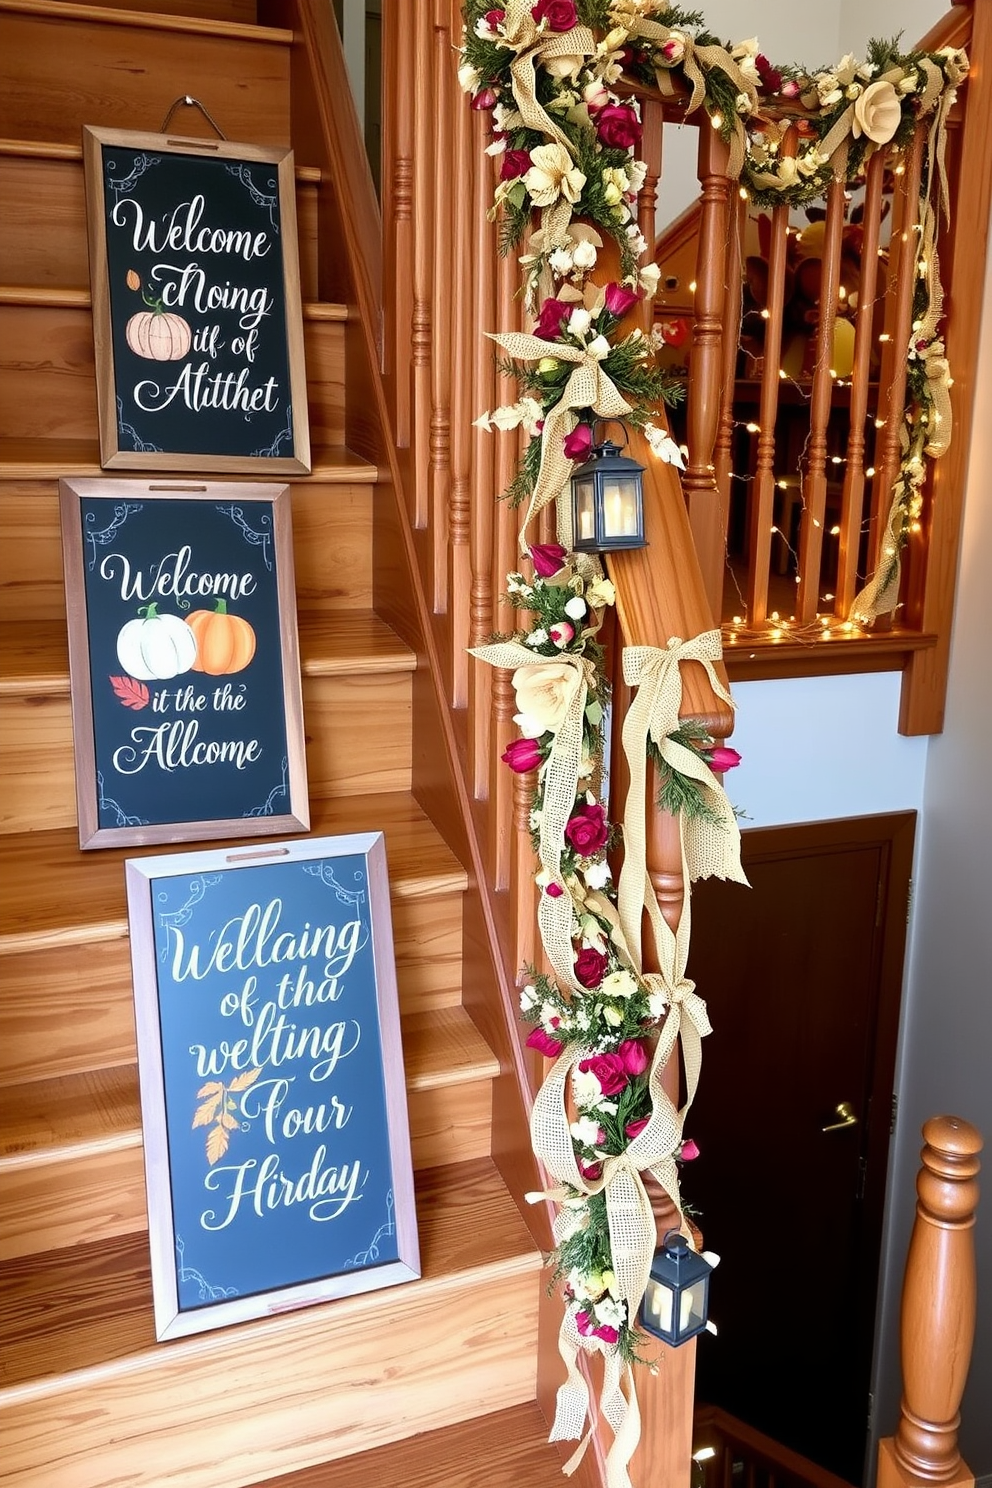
155, 647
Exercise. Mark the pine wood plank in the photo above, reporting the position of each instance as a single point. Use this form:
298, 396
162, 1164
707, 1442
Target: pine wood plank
119, 62
502, 1448
84, 1381
36, 912
71, 1167
48, 459
67, 1008
338, 522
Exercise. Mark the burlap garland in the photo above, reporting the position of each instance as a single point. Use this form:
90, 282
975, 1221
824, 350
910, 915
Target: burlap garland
534, 47
589, 386
695, 62
561, 779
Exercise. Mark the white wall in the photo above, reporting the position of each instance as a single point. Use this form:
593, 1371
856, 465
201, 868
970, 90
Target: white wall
946, 1041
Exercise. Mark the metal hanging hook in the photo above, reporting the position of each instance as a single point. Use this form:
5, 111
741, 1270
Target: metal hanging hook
186, 100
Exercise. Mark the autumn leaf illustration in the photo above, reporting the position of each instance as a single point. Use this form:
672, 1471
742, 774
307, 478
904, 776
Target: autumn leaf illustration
132, 280
131, 693
217, 1110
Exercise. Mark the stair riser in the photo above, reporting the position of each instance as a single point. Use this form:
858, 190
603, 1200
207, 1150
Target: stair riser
43, 224
47, 376
59, 74
325, 520
36, 747
260, 1401
69, 1008
75, 1199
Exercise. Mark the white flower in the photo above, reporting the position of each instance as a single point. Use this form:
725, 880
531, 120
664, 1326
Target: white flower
552, 176
584, 256
599, 348
657, 1004
597, 875
637, 173
663, 445
907, 84
638, 242
612, 1017
575, 607
586, 1089
497, 147
468, 78
609, 1313
877, 113
506, 119
601, 592
579, 322
618, 984
537, 637
528, 997
648, 278
846, 69
852, 91
586, 1131
544, 691
561, 262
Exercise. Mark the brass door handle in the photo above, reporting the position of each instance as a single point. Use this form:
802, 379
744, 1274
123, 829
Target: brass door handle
845, 1111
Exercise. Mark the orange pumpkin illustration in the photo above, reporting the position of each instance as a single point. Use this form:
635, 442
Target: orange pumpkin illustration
224, 643
158, 335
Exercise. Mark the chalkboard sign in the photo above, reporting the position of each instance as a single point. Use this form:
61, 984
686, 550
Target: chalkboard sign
183, 661
194, 269
273, 1100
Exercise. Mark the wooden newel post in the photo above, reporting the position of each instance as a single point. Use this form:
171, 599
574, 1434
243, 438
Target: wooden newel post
938, 1312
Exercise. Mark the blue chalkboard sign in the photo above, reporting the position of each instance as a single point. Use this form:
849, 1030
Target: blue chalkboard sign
197, 323
183, 658
277, 1150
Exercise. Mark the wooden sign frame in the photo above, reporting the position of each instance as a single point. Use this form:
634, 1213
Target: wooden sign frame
195, 281
276, 1138
187, 746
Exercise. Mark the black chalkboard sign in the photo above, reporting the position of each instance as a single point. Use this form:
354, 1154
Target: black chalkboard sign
276, 1138
197, 325
183, 661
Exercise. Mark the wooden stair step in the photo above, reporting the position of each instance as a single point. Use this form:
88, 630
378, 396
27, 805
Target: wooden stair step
71, 1167
35, 911
124, 69
504, 1448
84, 1380
50, 459
34, 657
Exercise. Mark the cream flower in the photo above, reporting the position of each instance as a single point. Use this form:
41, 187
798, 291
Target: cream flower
648, 279
877, 113
599, 348
584, 255
468, 77
601, 592
663, 446
618, 984
544, 691
552, 176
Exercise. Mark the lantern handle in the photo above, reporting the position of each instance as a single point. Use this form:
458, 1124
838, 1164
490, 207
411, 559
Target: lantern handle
600, 423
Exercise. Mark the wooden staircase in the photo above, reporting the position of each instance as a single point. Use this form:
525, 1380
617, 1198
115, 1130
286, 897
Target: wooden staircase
87, 1397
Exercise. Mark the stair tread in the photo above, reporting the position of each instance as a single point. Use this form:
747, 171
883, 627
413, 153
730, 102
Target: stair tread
50, 459
162, 21
36, 912
508, 1446
67, 1311
99, 1110
34, 659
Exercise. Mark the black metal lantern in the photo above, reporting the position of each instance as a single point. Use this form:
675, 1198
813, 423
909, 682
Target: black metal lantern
607, 502
676, 1300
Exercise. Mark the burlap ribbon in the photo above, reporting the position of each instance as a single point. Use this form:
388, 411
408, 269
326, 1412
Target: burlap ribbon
534, 47
561, 779
589, 386
695, 62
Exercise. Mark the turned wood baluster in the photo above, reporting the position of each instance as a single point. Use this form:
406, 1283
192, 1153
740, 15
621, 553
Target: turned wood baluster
706, 365
506, 559
647, 202
938, 1312
397, 175
763, 488
853, 496
464, 339
483, 485
898, 319
425, 119
815, 482
446, 210
723, 452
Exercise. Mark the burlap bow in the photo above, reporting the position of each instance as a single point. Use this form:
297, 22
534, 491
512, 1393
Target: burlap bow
710, 849
695, 62
561, 779
589, 386
534, 47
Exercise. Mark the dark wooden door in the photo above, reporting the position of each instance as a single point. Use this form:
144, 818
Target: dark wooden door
802, 977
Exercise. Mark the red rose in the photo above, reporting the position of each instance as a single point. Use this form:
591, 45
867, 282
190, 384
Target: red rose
609, 1071
590, 1170
549, 558
560, 15
722, 759
590, 968
634, 1056
634, 1128
554, 891
549, 1047
587, 1326
515, 163
618, 127
586, 829
495, 18
688, 1152
674, 332
483, 100
579, 442
619, 299
553, 315
771, 78
522, 755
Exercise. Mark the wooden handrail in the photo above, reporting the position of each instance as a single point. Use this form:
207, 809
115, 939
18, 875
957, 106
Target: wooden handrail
938, 1312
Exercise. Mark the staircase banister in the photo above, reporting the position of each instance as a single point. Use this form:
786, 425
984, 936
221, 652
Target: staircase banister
938, 1312
953, 28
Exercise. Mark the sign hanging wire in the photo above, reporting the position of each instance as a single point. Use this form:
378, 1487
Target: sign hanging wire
185, 100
